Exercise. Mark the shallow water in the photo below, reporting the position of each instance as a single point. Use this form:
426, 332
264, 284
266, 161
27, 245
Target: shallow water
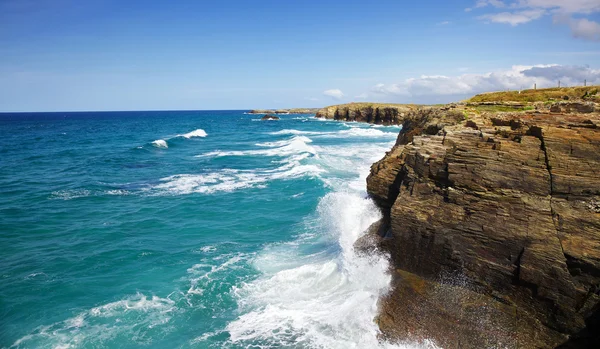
187, 229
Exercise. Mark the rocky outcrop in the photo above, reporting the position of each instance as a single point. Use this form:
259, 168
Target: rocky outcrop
492, 224
270, 117
573, 107
374, 113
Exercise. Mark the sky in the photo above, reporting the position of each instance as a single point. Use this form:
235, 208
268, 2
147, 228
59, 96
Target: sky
72, 55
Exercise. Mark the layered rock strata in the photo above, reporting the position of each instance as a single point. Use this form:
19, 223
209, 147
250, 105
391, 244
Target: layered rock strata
492, 223
385, 114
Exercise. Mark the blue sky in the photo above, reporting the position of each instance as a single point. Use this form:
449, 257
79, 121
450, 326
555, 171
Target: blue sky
63, 55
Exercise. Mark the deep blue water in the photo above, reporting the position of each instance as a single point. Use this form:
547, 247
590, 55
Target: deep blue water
189, 229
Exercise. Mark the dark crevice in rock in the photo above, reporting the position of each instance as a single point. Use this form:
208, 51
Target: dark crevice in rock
514, 124
395, 187
589, 337
538, 133
578, 267
517, 271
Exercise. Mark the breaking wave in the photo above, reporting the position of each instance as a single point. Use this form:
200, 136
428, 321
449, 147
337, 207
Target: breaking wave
353, 131
294, 145
325, 298
196, 133
130, 319
160, 143
230, 179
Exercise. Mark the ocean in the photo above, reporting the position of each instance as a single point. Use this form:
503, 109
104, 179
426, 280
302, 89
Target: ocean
187, 229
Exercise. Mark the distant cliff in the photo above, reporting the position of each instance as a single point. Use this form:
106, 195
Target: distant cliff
374, 113
285, 111
492, 222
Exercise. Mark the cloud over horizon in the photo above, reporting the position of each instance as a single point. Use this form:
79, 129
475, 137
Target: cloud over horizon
564, 12
334, 93
515, 78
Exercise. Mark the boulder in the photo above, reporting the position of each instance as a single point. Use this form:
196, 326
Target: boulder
270, 117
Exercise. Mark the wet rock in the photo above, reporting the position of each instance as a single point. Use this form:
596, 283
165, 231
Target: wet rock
270, 117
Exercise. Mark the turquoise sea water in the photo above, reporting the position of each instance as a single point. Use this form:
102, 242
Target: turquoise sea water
190, 229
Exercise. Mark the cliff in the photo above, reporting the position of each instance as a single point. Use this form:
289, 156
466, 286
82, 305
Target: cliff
375, 113
492, 224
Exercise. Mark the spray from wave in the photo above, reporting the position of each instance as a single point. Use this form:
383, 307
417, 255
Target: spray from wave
317, 292
326, 301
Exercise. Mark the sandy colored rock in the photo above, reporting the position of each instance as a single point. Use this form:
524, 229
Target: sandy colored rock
374, 113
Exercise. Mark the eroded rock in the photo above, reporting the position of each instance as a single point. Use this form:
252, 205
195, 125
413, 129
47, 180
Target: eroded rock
504, 202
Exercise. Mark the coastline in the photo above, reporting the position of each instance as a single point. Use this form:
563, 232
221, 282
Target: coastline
491, 221
285, 111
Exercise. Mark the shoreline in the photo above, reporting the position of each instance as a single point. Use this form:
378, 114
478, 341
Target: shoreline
285, 111
493, 227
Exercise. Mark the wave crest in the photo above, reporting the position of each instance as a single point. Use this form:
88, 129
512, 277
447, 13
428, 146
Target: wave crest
196, 133
160, 143
102, 325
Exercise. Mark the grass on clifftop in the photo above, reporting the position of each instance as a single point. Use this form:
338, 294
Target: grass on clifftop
540, 95
502, 108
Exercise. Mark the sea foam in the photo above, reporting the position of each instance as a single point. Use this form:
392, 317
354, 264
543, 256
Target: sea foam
327, 298
319, 300
99, 326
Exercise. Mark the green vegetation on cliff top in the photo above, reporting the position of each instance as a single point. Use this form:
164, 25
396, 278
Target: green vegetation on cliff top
508, 101
372, 105
540, 95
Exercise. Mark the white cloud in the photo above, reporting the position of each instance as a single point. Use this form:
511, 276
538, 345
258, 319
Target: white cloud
516, 78
334, 93
582, 28
524, 11
514, 18
568, 73
494, 3
567, 6
444, 23
362, 96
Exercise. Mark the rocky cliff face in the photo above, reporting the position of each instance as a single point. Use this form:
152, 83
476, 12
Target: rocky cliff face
492, 222
374, 113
